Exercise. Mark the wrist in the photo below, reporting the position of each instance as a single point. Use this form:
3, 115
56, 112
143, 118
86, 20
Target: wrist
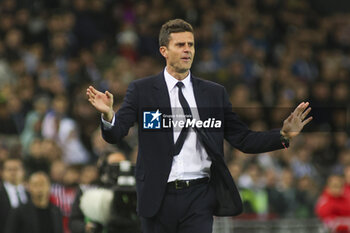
284, 134
284, 139
108, 116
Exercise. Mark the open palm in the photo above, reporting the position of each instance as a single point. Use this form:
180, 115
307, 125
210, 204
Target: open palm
296, 121
103, 102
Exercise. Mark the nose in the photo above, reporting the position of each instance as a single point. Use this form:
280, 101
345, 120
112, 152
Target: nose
187, 48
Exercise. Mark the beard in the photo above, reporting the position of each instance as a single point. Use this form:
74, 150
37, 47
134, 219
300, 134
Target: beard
179, 68
182, 70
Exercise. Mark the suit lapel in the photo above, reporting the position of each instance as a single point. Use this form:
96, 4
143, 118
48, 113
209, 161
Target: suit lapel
5, 197
161, 95
200, 96
229, 202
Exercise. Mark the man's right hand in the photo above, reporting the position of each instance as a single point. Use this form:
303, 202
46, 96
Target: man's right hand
103, 102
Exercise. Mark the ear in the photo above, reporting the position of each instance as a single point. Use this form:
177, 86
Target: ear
164, 51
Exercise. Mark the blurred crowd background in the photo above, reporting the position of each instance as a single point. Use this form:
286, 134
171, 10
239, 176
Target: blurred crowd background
269, 54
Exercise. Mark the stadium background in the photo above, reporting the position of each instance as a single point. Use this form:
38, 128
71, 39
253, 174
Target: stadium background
269, 54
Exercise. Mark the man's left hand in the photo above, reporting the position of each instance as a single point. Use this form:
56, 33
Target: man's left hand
296, 121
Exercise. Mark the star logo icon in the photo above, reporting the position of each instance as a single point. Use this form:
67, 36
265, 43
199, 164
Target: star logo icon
156, 115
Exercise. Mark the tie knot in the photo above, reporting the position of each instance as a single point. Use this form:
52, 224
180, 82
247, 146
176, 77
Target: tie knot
179, 84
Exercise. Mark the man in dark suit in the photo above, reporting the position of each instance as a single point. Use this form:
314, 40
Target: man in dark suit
12, 191
38, 215
182, 180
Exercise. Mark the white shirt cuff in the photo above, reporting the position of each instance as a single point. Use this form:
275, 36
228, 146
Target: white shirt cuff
107, 125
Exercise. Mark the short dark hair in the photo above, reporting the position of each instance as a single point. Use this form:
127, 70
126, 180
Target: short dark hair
11, 158
173, 26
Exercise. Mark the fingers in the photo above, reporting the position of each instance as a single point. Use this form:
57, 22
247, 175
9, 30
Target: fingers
302, 111
109, 95
92, 90
298, 108
305, 113
301, 108
92, 101
307, 121
92, 93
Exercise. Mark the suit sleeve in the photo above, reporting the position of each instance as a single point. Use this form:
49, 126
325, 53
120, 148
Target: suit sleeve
124, 118
241, 137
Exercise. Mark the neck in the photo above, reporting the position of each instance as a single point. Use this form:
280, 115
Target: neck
177, 75
14, 183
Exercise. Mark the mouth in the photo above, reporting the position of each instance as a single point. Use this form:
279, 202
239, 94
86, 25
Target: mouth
186, 59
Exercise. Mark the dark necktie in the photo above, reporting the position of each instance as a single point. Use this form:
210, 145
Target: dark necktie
18, 196
187, 111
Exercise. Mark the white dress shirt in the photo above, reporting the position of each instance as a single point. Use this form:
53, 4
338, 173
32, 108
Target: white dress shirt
193, 161
12, 191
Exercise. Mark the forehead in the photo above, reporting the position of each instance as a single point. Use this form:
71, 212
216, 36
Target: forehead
335, 181
11, 163
177, 37
39, 179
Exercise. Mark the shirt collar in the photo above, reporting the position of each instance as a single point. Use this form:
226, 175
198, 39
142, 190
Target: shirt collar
9, 185
171, 81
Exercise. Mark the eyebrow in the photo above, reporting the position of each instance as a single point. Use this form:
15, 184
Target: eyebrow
183, 43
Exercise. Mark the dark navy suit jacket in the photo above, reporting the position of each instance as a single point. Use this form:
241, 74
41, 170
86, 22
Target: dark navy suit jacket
5, 206
24, 219
155, 150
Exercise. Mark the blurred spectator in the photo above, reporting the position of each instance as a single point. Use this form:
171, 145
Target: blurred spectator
127, 40
12, 191
254, 195
57, 170
301, 164
99, 146
304, 67
88, 176
275, 196
347, 179
57, 125
13, 44
306, 194
235, 169
51, 150
38, 215
343, 162
37, 159
33, 122
63, 194
287, 188
4, 154
8, 124
207, 63
41, 154
333, 202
